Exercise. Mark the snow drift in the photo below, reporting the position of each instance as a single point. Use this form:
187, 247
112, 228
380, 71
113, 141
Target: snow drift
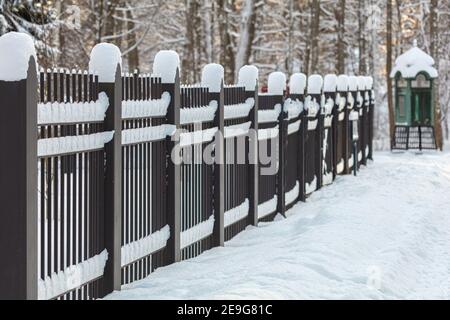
387, 238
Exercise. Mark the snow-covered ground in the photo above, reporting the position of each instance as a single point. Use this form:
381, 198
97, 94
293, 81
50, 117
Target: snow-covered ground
383, 235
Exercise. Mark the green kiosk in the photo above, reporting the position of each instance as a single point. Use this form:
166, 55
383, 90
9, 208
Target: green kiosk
413, 74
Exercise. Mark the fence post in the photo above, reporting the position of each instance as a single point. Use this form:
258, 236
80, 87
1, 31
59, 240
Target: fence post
167, 65
320, 157
283, 144
212, 77
253, 164
219, 170
248, 78
110, 82
352, 89
18, 182
297, 86
371, 117
420, 138
174, 172
113, 184
303, 132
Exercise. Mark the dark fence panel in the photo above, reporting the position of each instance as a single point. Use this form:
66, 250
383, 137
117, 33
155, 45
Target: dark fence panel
414, 138
294, 181
351, 161
268, 191
342, 133
366, 127
313, 147
328, 152
70, 187
236, 166
144, 176
197, 178
361, 141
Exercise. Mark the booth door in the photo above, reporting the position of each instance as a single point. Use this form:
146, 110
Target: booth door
421, 108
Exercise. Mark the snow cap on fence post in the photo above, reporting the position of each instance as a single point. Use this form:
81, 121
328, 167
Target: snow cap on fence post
166, 64
330, 83
248, 77
369, 83
362, 83
212, 77
315, 84
104, 60
353, 83
16, 49
297, 84
342, 83
276, 84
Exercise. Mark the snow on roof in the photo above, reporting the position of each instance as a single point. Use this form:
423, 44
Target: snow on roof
297, 84
212, 77
16, 49
414, 61
166, 64
342, 83
330, 83
362, 83
353, 83
315, 84
276, 83
248, 77
104, 60
369, 83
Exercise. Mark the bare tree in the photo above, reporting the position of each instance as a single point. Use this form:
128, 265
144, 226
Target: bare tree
247, 35
434, 45
341, 48
389, 15
315, 30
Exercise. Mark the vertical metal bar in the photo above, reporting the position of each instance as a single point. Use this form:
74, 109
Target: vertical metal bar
112, 186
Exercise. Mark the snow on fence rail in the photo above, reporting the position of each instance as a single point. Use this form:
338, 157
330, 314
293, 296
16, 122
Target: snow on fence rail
109, 206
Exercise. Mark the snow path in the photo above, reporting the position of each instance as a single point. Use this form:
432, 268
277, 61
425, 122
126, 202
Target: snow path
383, 235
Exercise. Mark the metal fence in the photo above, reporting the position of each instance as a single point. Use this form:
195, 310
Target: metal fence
106, 205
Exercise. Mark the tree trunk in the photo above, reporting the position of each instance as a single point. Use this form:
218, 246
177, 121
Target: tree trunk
361, 38
434, 33
133, 55
189, 56
315, 37
341, 47
110, 22
308, 40
399, 41
208, 30
226, 42
247, 35
389, 68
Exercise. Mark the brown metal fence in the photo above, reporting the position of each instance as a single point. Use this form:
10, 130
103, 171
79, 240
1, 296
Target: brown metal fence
113, 206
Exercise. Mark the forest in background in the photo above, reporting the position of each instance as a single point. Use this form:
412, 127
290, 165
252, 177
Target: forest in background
311, 36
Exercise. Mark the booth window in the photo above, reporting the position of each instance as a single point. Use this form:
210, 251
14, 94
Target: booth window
421, 82
401, 106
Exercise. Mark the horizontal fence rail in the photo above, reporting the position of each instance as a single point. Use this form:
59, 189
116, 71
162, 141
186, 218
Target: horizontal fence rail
122, 175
